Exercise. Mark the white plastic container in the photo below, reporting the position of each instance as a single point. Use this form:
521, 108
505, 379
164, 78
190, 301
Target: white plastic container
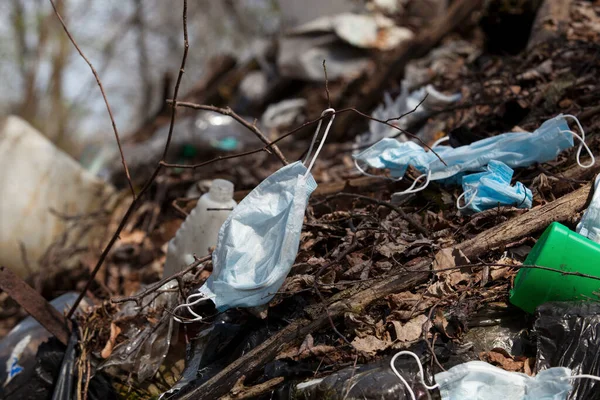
200, 229
36, 176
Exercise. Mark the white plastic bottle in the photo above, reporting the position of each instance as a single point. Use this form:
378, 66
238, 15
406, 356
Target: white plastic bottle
200, 229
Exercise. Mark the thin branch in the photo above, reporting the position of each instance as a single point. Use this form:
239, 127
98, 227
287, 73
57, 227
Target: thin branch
155, 286
136, 200
229, 112
415, 224
483, 265
110, 114
408, 112
352, 247
326, 85
304, 125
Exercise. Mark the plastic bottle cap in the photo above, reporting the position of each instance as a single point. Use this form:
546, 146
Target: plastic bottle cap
221, 190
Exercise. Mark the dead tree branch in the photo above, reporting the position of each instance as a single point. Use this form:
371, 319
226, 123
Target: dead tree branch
230, 113
110, 114
148, 183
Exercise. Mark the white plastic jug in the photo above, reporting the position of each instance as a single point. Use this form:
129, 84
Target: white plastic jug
200, 229
36, 176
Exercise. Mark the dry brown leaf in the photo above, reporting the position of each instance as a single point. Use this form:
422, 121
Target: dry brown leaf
134, 237
316, 261
369, 344
307, 349
296, 283
112, 340
406, 305
450, 258
500, 358
307, 344
410, 331
388, 249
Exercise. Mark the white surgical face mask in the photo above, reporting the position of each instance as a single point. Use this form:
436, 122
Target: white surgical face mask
515, 149
258, 243
477, 380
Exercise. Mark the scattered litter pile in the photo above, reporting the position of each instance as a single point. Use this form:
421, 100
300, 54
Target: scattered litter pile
383, 264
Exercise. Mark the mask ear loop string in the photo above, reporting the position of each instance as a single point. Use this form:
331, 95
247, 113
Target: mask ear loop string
582, 376
463, 195
365, 173
314, 139
412, 189
440, 141
582, 143
189, 303
422, 375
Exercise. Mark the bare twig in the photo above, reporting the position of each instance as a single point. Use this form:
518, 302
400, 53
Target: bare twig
157, 285
136, 200
343, 254
239, 391
326, 85
415, 224
484, 265
110, 114
408, 112
285, 135
229, 112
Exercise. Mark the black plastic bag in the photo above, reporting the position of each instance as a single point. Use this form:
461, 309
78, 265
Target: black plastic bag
568, 335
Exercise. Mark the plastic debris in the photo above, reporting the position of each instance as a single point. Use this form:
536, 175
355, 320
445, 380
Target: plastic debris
405, 103
55, 181
301, 57
207, 130
567, 336
284, 114
589, 226
200, 229
564, 250
18, 349
371, 381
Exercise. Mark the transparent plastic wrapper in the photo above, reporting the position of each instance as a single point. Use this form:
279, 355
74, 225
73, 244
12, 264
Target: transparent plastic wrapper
146, 346
405, 103
568, 335
202, 353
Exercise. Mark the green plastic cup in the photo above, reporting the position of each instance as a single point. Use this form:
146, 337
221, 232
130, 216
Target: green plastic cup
562, 249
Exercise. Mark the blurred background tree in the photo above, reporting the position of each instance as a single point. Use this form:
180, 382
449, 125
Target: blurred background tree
131, 43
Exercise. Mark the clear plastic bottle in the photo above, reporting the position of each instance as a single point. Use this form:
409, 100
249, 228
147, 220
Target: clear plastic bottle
200, 229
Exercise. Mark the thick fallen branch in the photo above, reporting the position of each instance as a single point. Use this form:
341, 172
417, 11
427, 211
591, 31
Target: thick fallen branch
360, 298
525, 224
35, 305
